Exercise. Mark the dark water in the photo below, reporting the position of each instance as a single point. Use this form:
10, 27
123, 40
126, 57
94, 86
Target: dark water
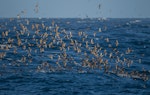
33, 60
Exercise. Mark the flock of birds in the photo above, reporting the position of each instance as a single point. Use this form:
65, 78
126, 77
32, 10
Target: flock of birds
50, 48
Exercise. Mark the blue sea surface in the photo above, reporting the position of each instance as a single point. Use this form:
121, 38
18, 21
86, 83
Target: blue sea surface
74, 56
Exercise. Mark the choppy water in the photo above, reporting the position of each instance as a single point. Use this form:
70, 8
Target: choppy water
62, 56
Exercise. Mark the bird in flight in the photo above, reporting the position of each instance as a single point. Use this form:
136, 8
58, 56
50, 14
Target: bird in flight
99, 6
36, 8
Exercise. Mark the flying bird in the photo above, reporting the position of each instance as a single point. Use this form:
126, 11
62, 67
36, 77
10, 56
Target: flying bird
99, 6
36, 10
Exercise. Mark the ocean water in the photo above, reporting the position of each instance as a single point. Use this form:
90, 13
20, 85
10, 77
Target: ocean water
58, 56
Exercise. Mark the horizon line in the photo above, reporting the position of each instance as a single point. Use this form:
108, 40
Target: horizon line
78, 17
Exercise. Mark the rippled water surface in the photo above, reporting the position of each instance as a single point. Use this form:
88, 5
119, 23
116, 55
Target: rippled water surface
74, 56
